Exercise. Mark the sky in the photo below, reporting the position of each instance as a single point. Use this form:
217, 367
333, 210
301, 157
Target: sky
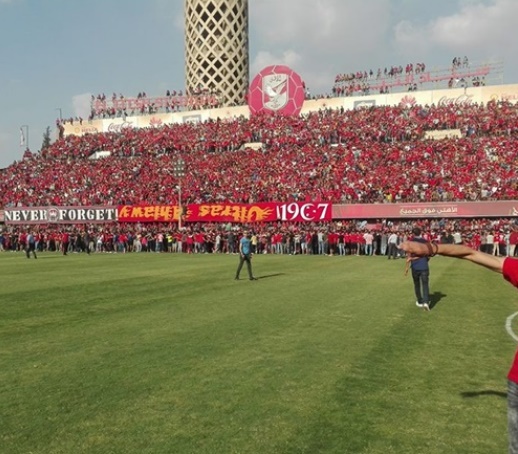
55, 53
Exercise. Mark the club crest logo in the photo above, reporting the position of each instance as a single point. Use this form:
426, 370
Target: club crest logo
277, 89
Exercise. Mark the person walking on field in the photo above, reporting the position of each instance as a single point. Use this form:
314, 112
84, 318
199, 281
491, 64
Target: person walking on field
508, 267
31, 245
420, 274
245, 255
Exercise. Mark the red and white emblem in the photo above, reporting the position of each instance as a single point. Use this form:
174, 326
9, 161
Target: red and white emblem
277, 89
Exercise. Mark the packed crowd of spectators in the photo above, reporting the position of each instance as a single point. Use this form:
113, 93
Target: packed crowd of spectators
368, 155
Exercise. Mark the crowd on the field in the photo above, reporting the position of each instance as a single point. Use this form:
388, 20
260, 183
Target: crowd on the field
368, 155
337, 238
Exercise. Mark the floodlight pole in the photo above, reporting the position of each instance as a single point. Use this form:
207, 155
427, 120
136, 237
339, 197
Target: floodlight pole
179, 205
179, 172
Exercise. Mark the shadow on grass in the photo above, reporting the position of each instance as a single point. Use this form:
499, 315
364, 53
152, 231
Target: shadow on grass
267, 276
487, 392
435, 298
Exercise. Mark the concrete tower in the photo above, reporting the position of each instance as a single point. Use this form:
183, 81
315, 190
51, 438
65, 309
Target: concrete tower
216, 48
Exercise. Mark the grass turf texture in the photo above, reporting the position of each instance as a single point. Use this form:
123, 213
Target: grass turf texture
160, 353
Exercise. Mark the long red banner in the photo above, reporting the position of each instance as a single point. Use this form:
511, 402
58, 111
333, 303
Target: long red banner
257, 212
228, 212
315, 211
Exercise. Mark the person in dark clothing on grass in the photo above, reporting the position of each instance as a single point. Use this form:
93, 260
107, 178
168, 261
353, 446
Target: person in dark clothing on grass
420, 274
31, 245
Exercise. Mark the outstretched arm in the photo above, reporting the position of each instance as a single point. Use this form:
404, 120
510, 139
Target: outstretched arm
453, 250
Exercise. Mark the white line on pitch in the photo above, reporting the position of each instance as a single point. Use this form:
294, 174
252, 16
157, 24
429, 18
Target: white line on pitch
509, 328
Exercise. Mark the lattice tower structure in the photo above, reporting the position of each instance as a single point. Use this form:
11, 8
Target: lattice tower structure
216, 48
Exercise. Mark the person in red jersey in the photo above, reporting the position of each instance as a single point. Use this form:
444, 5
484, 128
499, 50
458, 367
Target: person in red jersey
506, 266
65, 241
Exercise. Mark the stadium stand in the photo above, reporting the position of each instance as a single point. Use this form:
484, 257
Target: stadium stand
373, 155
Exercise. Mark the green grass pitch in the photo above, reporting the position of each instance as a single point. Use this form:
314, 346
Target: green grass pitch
161, 353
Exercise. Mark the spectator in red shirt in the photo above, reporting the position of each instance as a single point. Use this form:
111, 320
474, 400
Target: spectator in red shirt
199, 243
65, 241
332, 241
